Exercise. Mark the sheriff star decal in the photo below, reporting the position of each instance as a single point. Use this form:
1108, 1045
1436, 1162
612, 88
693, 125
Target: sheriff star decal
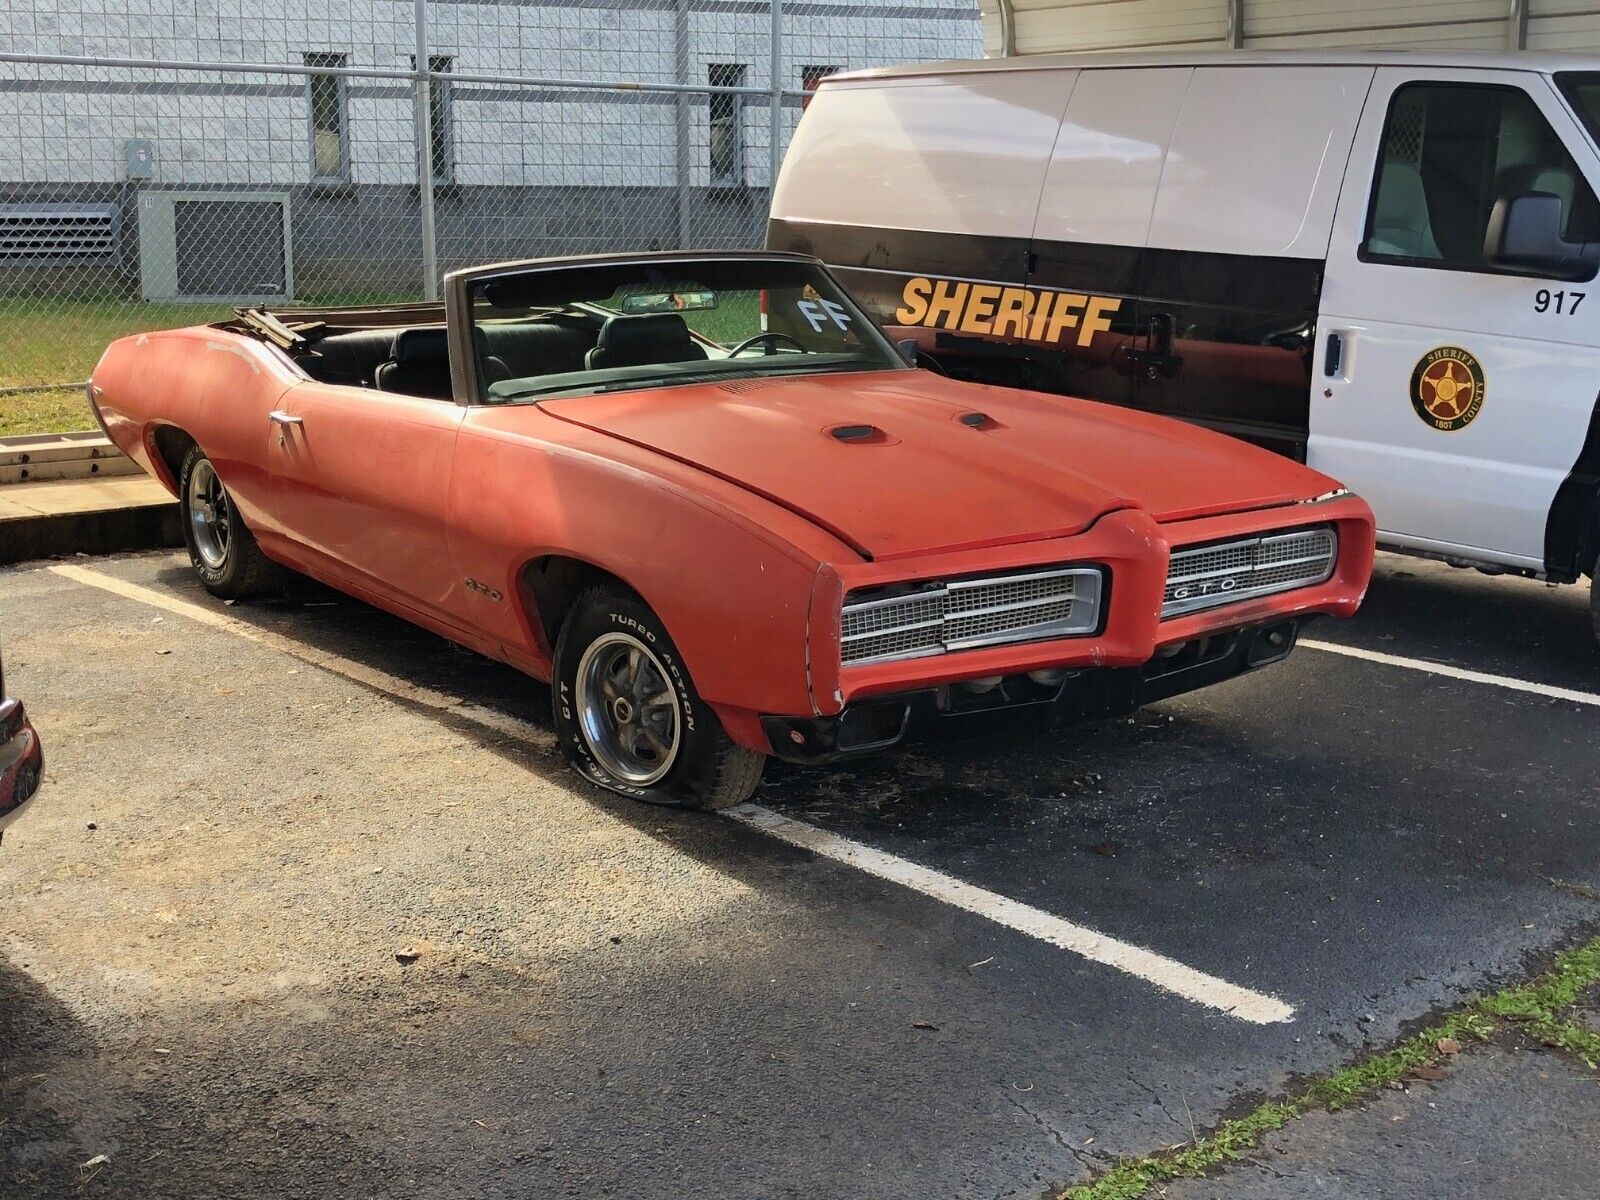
1447, 388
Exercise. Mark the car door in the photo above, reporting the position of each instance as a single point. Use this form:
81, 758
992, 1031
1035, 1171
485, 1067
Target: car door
1452, 396
359, 483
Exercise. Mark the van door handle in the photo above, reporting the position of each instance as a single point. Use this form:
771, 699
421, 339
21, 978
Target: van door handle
1156, 357
1332, 355
278, 417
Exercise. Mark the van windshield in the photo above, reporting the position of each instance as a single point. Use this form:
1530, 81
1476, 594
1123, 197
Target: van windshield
1583, 93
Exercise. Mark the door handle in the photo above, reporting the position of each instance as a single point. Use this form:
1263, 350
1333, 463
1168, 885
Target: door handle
1156, 358
278, 417
1332, 355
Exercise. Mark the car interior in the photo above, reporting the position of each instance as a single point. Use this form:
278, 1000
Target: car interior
606, 328
415, 361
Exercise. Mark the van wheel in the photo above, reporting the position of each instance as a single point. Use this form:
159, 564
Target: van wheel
628, 716
1594, 599
223, 552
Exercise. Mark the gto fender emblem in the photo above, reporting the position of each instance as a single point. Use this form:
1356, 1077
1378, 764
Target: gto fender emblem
483, 589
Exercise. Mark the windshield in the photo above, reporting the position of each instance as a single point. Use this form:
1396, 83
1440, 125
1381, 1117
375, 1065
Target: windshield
1583, 93
608, 327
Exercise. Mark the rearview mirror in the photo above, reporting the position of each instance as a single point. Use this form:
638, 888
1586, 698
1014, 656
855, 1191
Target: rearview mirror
908, 350
640, 303
1524, 237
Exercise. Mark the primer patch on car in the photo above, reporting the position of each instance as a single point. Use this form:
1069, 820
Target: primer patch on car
237, 352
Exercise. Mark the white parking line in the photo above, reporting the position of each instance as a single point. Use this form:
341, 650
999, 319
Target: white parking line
1449, 672
1165, 973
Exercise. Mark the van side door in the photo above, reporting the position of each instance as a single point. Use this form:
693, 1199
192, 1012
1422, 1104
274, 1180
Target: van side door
1086, 262
1234, 259
1453, 395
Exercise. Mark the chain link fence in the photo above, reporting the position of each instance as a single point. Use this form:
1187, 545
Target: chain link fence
162, 161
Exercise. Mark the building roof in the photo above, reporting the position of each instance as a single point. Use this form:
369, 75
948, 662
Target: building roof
1540, 61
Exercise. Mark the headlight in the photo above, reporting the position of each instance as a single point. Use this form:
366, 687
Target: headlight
939, 616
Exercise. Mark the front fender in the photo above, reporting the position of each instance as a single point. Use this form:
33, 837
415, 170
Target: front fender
734, 594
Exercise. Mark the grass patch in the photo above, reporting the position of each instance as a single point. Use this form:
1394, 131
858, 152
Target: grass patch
61, 411
1536, 1005
58, 341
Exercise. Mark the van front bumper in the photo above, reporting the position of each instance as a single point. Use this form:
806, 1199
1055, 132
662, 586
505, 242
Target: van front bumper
21, 761
992, 706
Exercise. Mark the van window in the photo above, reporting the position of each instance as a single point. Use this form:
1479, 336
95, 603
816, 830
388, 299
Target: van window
1449, 152
1583, 92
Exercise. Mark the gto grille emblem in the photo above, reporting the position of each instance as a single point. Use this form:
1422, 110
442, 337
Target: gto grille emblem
483, 589
1205, 587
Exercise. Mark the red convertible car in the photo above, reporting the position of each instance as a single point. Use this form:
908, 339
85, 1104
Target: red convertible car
21, 757
706, 498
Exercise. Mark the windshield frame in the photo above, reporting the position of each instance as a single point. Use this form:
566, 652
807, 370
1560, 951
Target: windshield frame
1568, 83
463, 289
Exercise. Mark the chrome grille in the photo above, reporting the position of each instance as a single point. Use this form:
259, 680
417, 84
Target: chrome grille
966, 613
1228, 572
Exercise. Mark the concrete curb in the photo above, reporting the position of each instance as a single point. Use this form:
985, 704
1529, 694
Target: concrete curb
57, 535
100, 516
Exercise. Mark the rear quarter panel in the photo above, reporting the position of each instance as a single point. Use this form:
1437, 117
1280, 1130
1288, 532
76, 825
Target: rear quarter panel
215, 386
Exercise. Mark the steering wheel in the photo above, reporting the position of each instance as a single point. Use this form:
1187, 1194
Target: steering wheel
771, 336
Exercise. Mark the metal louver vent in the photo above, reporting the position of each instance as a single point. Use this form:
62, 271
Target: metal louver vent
1027, 606
75, 231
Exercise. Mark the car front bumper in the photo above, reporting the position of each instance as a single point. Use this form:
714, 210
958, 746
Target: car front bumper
878, 723
21, 761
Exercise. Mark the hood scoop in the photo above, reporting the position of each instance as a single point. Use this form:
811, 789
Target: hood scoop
860, 435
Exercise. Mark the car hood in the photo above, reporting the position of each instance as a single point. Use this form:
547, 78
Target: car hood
897, 463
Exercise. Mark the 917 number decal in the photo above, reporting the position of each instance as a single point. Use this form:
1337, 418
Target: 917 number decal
1562, 303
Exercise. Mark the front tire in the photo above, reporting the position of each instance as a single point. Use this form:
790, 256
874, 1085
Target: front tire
628, 716
222, 550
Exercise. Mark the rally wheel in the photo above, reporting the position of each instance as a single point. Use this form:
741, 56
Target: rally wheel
628, 716
222, 550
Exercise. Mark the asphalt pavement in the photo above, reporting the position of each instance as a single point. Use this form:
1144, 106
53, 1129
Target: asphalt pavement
310, 906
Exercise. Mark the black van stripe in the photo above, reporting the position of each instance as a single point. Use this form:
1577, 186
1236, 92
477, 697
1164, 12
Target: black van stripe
1261, 283
1243, 326
1572, 530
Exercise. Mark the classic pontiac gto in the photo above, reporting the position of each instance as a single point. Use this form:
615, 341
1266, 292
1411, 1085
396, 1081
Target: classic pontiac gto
709, 501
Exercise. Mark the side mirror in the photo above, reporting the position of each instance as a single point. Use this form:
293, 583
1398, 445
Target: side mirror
908, 350
1524, 238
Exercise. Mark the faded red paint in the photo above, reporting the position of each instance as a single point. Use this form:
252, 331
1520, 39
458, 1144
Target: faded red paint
733, 513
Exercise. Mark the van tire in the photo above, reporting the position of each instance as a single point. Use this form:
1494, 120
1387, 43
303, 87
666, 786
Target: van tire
1594, 599
690, 761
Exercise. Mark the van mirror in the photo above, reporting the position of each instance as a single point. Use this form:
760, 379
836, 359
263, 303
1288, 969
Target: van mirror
1524, 238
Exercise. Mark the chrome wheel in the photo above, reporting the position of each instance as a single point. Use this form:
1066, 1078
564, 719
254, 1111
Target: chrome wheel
628, 709
210, 515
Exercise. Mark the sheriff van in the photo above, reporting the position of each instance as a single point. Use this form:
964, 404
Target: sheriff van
1377, 263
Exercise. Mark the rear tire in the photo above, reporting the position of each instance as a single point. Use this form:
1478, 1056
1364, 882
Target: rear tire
222, 550
628, 716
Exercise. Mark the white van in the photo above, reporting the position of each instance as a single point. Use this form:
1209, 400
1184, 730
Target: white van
1378, 263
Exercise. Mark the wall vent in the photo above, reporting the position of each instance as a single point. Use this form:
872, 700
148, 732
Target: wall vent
86, 232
